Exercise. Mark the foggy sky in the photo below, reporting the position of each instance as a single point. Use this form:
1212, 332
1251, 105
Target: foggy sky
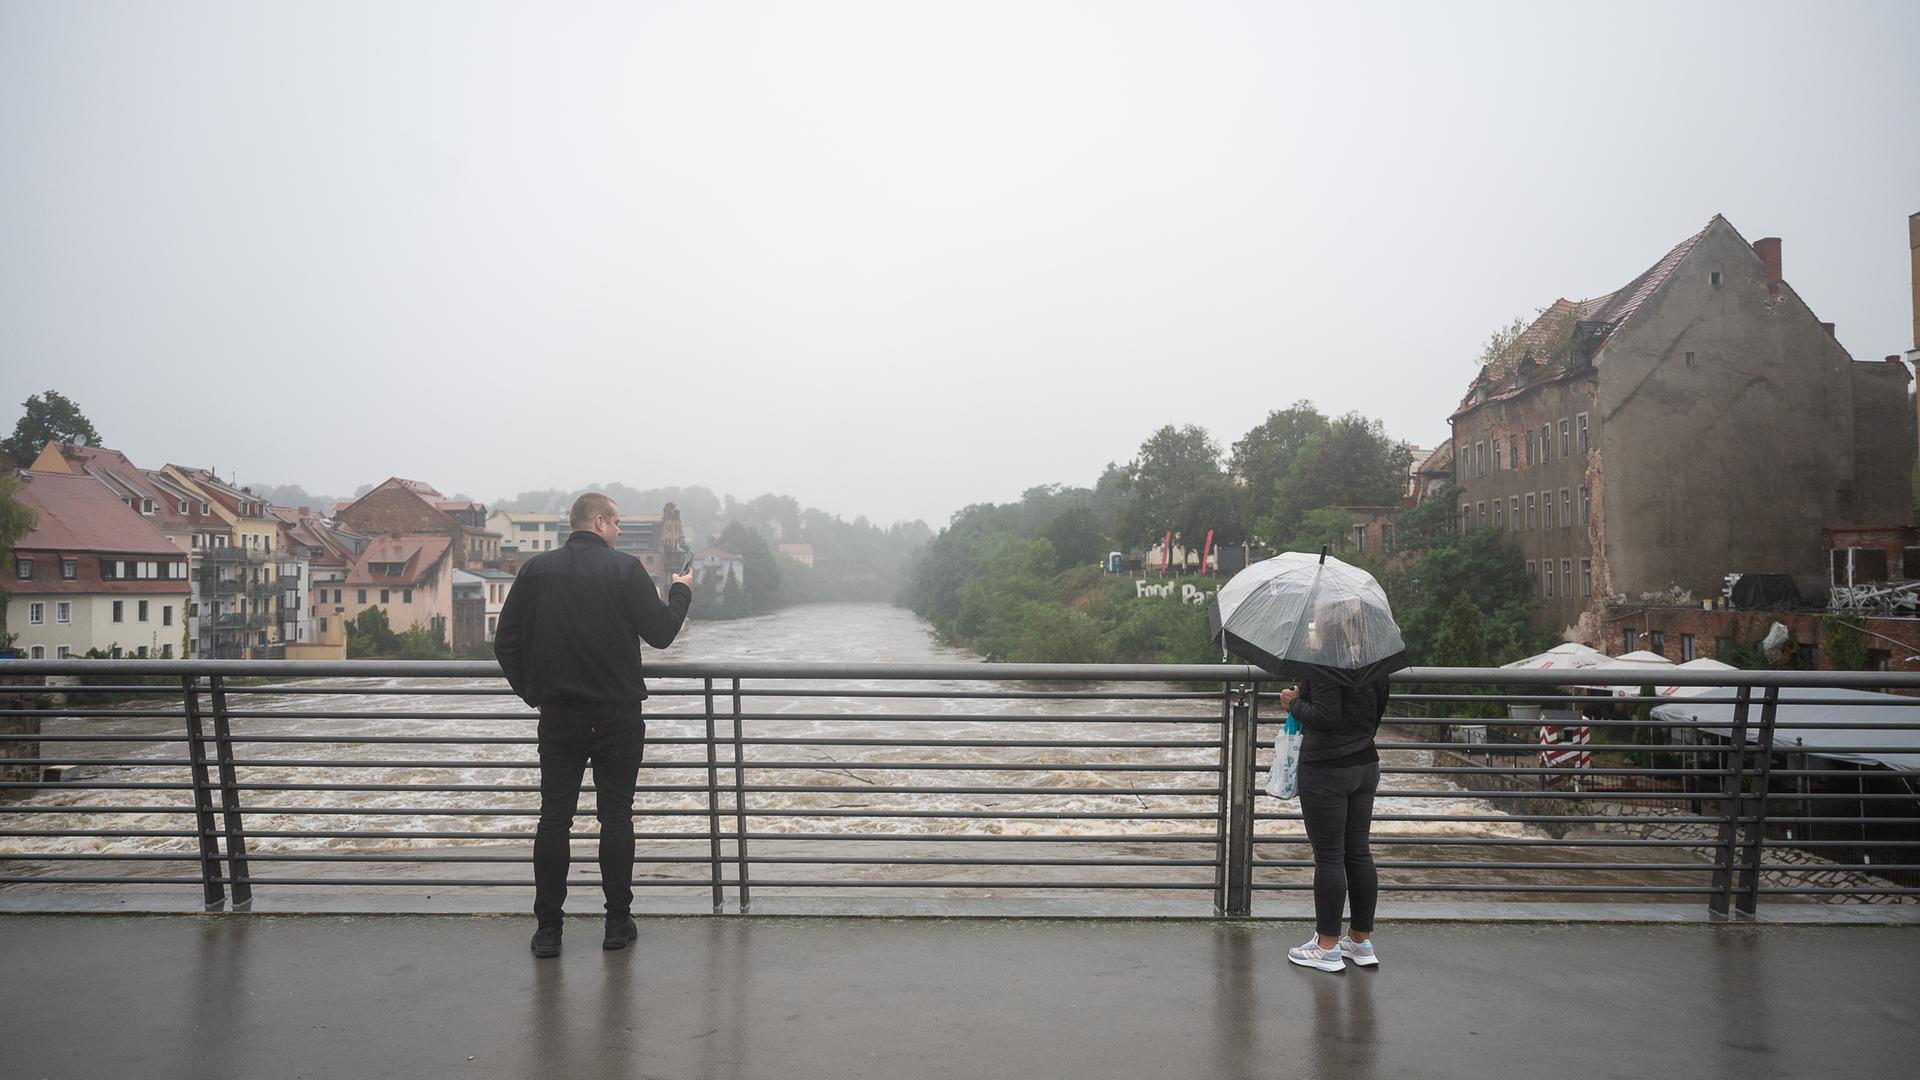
888, 258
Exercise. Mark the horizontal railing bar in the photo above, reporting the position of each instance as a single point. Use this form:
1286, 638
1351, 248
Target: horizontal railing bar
1556, 867
1436, 886
962, 672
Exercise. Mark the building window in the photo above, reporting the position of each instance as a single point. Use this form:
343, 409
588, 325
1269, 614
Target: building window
1566, 438
183, 508
166, 615
1532, 454
1513, 512
336, 596
1534, 578
1657, 641
1566, 577
63, 611
493, 624
1483, 515
1586, 577
1513, 451
62, 652
119, 611
1546, 573
386, 596
1546, 509
360, 597
1546, 443
1533, 507
1566, 509
1466, 516
1686, 647
1586, 506
406, 595
39, 652
166, 652
1499, 522
69, 569
146, 506
23, 568
143, 611
1496, 455
1386, 538
1689, 360
323, 624
36, 613
1580, 425
1629, 641
1359, 546
1714, 279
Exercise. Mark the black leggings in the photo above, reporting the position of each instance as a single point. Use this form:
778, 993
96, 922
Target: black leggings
1338, 807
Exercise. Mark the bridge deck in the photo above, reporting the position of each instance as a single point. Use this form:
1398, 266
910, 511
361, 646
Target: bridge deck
789, 998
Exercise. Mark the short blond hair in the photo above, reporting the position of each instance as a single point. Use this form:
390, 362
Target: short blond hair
590, 505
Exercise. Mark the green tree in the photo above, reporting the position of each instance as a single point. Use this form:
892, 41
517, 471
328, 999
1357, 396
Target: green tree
1489, 571
1265, 454
734, 601
371, 635
1504, 339
1430, 523
1352, 463
1173, 462
758, 566
17, 519
1462, 638
1076, 537
48, 417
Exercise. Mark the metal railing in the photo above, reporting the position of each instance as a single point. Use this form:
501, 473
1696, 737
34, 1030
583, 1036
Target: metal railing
948, 779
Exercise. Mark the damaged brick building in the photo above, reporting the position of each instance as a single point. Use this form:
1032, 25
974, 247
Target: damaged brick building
1700, 421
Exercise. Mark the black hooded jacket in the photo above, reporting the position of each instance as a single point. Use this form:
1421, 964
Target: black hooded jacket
571, 627
1337, 722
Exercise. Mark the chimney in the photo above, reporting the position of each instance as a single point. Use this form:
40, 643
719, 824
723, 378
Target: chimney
1828, 327
1895, 359
1768, 248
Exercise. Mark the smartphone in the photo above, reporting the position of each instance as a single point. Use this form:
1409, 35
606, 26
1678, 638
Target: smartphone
687, 569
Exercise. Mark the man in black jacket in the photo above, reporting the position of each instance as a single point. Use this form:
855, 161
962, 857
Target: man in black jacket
569, 643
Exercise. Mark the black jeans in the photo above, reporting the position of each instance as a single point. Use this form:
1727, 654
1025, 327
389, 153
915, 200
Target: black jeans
613, 739
1338, 807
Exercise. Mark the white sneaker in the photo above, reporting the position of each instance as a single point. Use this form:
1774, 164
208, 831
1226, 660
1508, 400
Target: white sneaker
1360, 952
1313, 956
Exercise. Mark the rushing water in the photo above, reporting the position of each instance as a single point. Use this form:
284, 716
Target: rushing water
825, 632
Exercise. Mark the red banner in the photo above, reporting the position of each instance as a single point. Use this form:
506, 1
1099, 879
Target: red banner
1206, 551
1166, 554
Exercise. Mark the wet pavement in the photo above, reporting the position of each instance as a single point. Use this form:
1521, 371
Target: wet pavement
91, 995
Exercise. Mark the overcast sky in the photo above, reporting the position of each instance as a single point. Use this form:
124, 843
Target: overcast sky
888, 258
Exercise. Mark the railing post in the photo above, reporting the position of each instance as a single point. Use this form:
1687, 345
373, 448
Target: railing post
1720, 901
1748, 901
740, 806
713, 806
1225, 776
236, 831
212, 891
1239, 870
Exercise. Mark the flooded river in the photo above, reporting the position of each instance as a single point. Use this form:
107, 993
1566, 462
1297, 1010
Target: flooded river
1130, 820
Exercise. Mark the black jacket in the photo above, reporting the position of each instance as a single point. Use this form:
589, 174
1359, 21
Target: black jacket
1337, 722
571, 627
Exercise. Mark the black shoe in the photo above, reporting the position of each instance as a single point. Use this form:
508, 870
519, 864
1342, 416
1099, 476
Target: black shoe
546, 942
620, 932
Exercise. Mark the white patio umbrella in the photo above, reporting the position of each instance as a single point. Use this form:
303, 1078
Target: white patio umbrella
1638, 662
1700, 664
1567, 656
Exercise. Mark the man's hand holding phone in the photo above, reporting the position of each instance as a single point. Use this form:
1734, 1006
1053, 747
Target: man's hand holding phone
685, 576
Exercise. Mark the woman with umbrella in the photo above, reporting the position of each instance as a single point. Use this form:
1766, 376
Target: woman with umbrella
1328, 624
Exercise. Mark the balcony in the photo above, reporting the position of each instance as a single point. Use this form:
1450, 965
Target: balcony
234, 555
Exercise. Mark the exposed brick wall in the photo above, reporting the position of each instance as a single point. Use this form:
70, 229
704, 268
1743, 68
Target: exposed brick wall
18, 757
1898, 637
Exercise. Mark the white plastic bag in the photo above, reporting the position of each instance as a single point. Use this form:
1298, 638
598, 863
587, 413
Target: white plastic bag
1283, 777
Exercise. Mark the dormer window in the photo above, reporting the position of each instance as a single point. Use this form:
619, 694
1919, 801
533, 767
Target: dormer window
146, 506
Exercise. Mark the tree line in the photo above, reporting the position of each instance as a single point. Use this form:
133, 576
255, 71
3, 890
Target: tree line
1021, 581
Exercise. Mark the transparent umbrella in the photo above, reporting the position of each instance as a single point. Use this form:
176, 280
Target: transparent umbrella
1311, 617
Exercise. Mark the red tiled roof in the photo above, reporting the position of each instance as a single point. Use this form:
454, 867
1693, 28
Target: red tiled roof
1545, 340
112, 468
81, 514
420, 554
